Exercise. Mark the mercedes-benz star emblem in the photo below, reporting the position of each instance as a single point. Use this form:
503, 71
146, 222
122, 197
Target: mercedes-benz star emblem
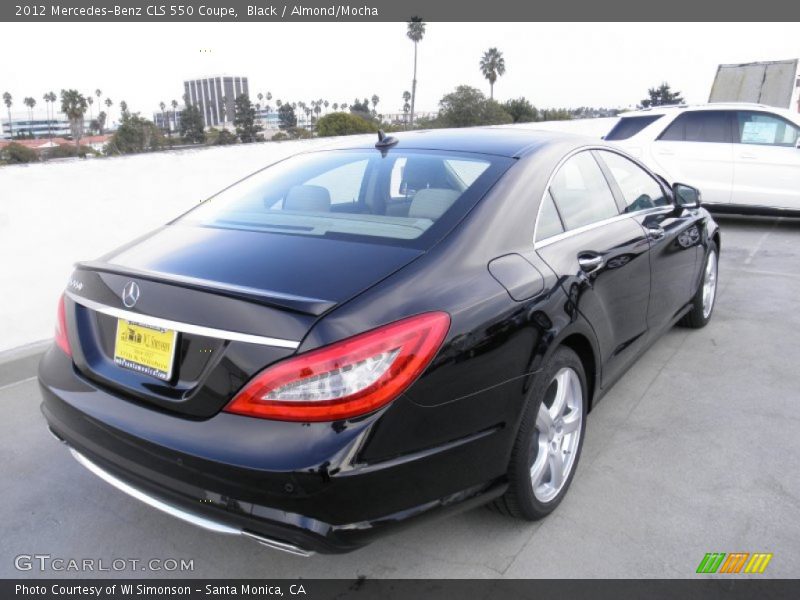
130, 294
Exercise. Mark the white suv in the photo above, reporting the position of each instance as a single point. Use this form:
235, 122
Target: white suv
745, 158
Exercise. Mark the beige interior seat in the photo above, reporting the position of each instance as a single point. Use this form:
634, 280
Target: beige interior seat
312, 198
431, 203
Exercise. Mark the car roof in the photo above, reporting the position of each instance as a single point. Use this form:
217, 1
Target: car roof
499, 141
710, 106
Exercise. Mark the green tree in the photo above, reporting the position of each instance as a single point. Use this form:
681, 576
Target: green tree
493, 65
135, 134
15, 153
468, 107
8, 100
662, 96
247, 128
340, 123
73, 104
286, 117
192, 128
415, 31
521, 110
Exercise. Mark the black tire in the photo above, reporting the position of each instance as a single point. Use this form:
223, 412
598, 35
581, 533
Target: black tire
697, 317
519, 500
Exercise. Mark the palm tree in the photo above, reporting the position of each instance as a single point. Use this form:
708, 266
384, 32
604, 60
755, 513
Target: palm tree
9, 101
415, 32
163, 106
30, 103
46, 99
90, 102
260, 97
325, 104
335, 106
174, 105
406, 104
98, 92
73, 104
344, 106
375, 101
53, 98
109, 102
493, 65
123, 108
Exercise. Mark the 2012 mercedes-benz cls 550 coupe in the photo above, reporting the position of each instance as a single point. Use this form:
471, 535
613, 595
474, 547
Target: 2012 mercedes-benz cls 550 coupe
353, 339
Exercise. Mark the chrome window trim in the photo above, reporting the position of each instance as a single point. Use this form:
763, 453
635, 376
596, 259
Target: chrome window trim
152, 321
569, 233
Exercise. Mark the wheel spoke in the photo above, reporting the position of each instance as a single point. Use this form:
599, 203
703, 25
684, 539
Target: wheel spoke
544, 422
571, 423
556, 462
539, 466
562, 390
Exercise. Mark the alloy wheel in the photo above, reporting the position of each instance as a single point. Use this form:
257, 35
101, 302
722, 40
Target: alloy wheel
557, 434
709, 284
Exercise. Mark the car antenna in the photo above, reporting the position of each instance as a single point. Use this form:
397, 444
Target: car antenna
385, 141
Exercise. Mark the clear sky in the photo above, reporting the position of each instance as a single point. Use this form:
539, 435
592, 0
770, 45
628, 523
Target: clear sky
552, 64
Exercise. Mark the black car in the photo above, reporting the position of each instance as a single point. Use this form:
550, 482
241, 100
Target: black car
352, 339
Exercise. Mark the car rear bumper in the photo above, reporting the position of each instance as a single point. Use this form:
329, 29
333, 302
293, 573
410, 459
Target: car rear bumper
216, 474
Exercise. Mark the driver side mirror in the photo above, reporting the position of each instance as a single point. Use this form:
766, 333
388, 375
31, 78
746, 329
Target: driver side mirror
686, 196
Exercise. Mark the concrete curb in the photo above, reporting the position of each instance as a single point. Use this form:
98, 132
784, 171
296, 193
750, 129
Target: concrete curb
21, 363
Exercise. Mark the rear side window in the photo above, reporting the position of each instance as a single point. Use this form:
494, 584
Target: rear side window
549, 223
700, 126
581, 193
638, 188
765, 129
408, 198
628, 127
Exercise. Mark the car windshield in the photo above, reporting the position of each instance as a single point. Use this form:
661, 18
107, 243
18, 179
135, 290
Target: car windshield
406, 198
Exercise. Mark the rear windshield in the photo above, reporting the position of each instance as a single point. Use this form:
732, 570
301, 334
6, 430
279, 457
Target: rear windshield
627, 127
408, 198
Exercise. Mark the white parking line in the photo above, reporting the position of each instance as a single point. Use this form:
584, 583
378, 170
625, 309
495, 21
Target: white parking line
761, 241
20, 382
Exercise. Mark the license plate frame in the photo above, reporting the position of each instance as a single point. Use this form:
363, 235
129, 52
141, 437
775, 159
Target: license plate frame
140, 348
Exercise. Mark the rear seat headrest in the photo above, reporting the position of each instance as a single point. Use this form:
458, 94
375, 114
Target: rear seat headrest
431, 203
308, 198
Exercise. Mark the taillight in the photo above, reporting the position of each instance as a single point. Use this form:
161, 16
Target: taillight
346, 379
61, 328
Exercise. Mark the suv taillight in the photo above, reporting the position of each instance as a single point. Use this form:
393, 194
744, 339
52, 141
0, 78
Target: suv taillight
61, 328
348, 378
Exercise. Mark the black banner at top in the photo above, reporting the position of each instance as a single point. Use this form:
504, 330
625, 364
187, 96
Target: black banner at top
395, 10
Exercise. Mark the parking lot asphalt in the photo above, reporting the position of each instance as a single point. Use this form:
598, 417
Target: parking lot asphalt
695, 450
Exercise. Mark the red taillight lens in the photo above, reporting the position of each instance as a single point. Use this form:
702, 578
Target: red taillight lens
61, 328
348, 378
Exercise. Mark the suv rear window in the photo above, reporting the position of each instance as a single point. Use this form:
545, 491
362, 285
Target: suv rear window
628, 127
700, 126
408, 198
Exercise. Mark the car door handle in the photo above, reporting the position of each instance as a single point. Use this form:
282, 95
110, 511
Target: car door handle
747, 155
655, 233
665, 152
589, 262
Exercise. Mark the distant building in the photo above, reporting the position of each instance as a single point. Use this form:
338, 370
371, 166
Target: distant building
169, 120
40, 128
215, 97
